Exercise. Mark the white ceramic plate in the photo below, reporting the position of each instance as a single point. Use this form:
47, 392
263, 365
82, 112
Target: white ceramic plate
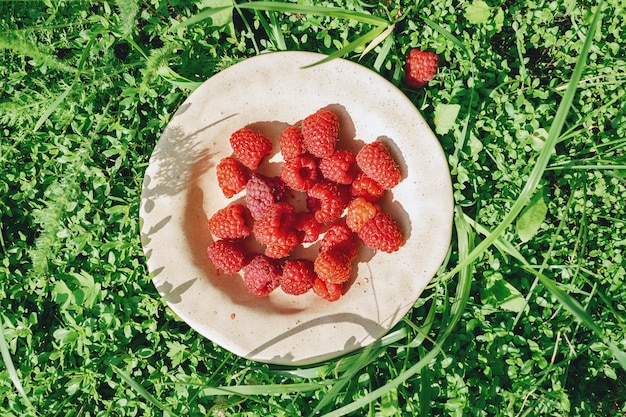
180, 193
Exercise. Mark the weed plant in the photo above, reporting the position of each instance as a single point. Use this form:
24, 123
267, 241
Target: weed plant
526, 316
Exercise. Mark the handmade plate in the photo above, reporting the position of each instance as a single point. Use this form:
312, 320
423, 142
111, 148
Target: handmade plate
180, 193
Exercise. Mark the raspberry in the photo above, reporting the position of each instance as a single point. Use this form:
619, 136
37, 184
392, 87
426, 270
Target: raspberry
300, 173
227, 255
381, 233
321, 131
232, 176
250, 147
420, 68
262, 192
377, 163
229, 222
291, 143
364, 186
327, 290
339, 167
261, 275
359, 212
307, 226
327, 200
339, 237
333, 266
298, 276
276, 229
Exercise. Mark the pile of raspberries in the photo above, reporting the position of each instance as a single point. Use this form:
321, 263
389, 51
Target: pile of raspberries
342, 190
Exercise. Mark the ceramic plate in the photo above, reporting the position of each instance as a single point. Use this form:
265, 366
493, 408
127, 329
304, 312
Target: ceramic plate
180, 193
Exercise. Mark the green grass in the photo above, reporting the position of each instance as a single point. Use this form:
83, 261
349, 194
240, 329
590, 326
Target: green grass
526, 315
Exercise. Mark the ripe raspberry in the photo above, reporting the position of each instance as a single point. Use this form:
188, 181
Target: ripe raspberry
307, 226
333, 266
229, 222
359, 212
300, 173
377, 163
262, 192
327, 200
327, 290
381, 233
339, 237
227, 255
364, 186
291, 143
232, 176
321, 131
339, 167
276, 229
420, 68
261, 275
250, 147
298, 276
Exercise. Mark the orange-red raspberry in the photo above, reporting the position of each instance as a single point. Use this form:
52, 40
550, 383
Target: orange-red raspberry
339, 167
364, 186
307, 226
339, 237
229, 222
291, 143
232, 176
327, 290
261, 275
300, 172
276, 229
381, 233
250, 147
377, 163
327, 200
420, 68
227, 255
334, 266
359, 212
298, 276
321, 132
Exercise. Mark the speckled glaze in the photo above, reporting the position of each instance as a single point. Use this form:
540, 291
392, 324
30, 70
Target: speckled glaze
180, 193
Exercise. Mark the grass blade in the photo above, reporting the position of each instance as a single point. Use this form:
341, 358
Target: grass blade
142, 391
8, 363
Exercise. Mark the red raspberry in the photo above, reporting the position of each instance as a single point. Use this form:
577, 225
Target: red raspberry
262, 192
300, 173
321, 131
232, 176
339, 237
308, 227
261, 275
291, 143
327, 290
229, 222
327, 200
298, 276
340, 167
420, 68
250, 147
359, 212
276, 229
227, 255
333, 266
381, 233
364, 186
377, 163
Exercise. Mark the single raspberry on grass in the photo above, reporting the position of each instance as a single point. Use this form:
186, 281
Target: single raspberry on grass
300, 172
359, 212
307, 226
229, 222
382, 233
339, 237
276, 229
232, 176
420, 68
327, 200
377, 163
262, 192
227, 255
298, 276
261, 275
321, 132
364, 186
327, 290
291, 143
340, 167
333, 266
250, 147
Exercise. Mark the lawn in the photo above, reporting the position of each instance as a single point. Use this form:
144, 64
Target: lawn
526, 316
